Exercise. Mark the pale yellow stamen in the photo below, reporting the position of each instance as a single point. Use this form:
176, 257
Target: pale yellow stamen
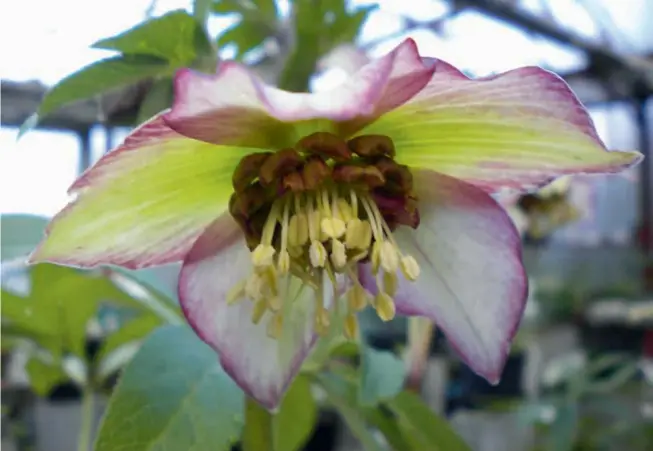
409, 268
338, 255
236, 293
317, 254
283, 262
263, 255
294, 242
351, 327
390, 283
275, 326
357, 298
260, 307
385, 306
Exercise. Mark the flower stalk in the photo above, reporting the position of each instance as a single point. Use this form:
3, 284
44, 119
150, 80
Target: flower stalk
257, 435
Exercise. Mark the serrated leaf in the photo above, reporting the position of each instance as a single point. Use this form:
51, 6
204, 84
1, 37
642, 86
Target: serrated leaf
173, 395
100, 77
294, 422
423, 425
382, 376
172, 37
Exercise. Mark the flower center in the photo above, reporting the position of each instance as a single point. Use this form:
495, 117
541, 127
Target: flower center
316, 211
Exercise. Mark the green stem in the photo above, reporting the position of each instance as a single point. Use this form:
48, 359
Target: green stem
257, 435
86, 425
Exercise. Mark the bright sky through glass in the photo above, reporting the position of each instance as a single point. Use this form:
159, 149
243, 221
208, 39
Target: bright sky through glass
53, 40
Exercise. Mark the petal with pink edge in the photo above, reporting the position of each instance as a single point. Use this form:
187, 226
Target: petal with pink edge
235, 107
263, 367
144, 203
516, 130
472, 282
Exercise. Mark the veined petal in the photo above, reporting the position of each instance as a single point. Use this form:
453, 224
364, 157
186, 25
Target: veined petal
472, 284
518, 130
263, 367
144, 203
234, 106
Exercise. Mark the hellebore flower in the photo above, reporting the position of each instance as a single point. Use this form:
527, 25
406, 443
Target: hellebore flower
271, 199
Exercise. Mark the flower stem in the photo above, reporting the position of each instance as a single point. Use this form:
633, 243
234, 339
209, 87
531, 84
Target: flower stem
420, 335
257, 435
87, 417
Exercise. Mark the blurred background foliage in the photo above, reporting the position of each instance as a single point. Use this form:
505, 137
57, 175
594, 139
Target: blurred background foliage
85, 330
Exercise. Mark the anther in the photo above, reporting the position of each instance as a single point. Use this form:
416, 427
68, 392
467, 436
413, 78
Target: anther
388, 257
338, 254
357, 298
409, 267
351, 326
283, 262
317, 254
333, 227
263, 255
298, 230
275, 326
385, 306
260, 307
390, 283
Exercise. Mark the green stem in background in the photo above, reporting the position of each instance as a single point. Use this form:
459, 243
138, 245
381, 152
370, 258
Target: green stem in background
257, 435
86, 421
420, 336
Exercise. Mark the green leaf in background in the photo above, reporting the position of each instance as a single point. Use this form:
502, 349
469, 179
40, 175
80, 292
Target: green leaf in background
342, 396
258, 21
158, 98
173, 37
173, 395
245, 36
100, 77
119, 347
425, 428
294, 422
382, 376
43, 377
563, 430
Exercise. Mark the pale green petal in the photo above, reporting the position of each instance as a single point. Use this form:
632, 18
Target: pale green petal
516, 130
145, 203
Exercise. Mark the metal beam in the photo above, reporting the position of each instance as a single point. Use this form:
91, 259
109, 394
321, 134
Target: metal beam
628, 70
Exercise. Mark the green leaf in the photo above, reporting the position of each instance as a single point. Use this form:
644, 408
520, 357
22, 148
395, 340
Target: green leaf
342, 396
294, 422
245, 36
173, 395
43, 376
390, 429
100, 77
172, 37
134, 330
563, 430
423, 425
158, 98
382, 376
